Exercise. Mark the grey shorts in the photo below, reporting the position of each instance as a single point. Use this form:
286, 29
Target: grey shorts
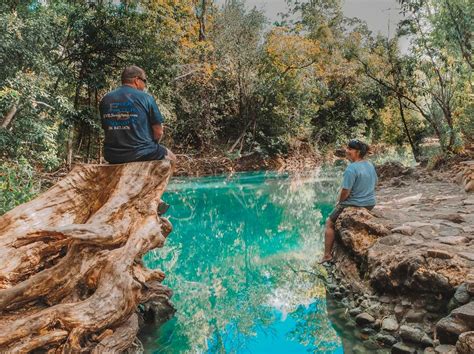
339, 208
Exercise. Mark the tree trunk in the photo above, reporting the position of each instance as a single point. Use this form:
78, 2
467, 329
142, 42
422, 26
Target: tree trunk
9, 116
71, 275
407, 131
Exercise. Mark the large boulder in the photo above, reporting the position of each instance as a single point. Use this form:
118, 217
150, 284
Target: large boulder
460, 320
358, 230
465, 343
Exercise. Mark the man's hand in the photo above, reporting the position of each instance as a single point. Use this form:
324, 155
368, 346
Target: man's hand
344, 194
157, 132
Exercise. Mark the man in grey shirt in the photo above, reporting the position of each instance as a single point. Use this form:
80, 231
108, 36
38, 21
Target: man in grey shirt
358, 190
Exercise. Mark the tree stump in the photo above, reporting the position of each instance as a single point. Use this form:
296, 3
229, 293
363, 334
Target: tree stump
71, 274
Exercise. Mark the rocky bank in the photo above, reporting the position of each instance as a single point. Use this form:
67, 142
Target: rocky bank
405, 270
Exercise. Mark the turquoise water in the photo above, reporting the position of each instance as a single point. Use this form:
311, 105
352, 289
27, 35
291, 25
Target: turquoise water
241, 262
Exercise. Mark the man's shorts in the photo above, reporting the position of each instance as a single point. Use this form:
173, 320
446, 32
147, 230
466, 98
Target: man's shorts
158, 154
339, 208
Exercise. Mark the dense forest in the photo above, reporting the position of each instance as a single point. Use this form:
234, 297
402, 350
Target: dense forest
227, 80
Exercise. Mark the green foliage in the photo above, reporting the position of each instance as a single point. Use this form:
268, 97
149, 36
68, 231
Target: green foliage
17, 184
229, 81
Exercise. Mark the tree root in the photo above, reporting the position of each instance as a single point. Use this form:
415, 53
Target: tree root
71, 276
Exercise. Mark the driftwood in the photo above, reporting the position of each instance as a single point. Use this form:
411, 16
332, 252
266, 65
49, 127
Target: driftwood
71, 275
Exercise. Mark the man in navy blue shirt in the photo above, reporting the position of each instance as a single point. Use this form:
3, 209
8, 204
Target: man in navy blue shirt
358, 190
132, 122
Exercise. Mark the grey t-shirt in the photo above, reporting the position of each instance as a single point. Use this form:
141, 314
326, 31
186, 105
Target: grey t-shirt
360, 177
127, 116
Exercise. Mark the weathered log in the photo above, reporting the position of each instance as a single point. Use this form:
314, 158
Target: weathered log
71, 275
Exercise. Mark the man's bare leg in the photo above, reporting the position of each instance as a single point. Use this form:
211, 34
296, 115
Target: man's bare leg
329, 233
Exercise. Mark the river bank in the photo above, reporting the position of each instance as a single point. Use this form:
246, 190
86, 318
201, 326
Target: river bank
405, 271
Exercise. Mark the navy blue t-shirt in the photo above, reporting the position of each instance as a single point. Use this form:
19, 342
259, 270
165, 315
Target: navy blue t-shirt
127, 116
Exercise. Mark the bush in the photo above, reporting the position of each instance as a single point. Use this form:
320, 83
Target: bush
18, 184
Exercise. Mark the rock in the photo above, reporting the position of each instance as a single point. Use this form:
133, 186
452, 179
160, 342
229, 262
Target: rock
404, 230
386, 339
355, 311
368, 331
401, 348
467, 255
470, 287
449, 233
415, 316
433, 253
445, 349
469, 187
456, 218
453, 240
468, 201
426, 341
411, 334
429, 350
385, 299
364, 319
461, 295
390, 324
399, 310
459, 321
371, 344
465, 343
392, 169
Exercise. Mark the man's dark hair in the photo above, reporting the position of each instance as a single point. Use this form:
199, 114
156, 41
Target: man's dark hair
131, 72
359, 145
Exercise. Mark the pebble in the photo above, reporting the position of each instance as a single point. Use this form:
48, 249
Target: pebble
368, 331
386, 339
411, 334
399, 310
401, 348
445, 349
355, 311
390, 324
415, 316
364, 319
461, 295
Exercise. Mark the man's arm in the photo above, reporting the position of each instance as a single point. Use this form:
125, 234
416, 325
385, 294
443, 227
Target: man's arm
344, 194
157, 132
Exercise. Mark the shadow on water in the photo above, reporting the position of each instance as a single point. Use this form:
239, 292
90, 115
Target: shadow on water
240, 261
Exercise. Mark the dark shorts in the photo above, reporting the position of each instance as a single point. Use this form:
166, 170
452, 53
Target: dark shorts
339, 208
158, 154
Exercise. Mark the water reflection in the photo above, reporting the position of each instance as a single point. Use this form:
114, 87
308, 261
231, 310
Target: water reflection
240, 263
